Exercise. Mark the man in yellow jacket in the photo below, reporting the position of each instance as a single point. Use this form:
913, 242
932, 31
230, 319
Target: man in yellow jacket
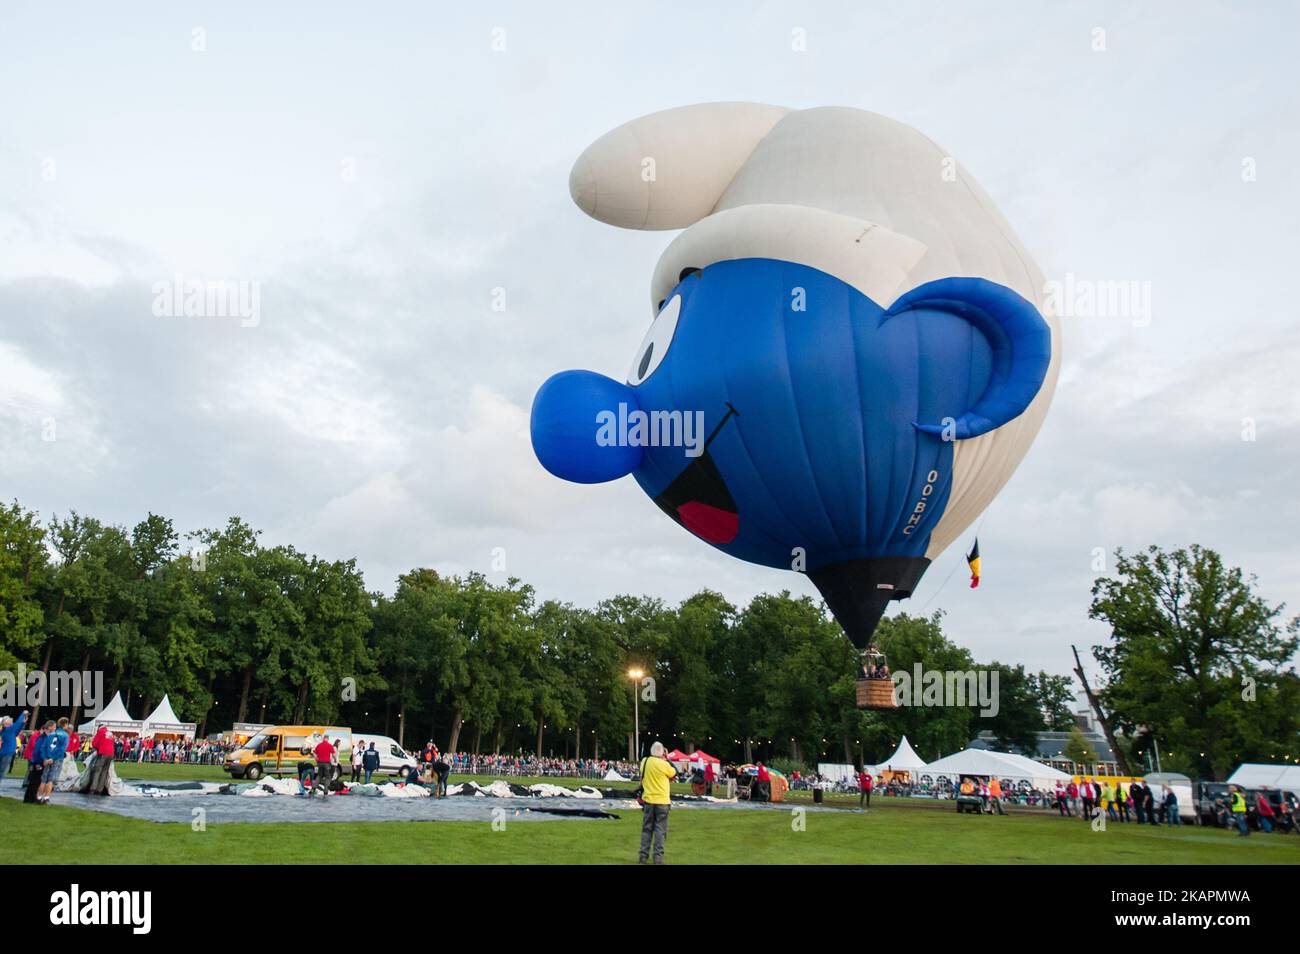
1237, 805
656, 775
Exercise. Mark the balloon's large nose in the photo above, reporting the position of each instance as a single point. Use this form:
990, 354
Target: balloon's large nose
578, 427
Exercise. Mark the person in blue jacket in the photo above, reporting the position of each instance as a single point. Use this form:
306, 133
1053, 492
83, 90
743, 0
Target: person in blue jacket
56, 747
9, 730
36, 766
370, 762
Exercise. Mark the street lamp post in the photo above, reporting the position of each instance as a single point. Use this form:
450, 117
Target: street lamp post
635, 675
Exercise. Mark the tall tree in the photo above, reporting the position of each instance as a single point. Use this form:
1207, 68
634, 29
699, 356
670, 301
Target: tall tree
24, 563
598, 665
933, 730
1079, 750
1196, 660
255, 619
89, 604
1055, 698
639, 627
696, 635
1019, 716
800, 668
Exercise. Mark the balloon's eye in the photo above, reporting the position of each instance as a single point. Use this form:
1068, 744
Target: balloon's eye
656, 342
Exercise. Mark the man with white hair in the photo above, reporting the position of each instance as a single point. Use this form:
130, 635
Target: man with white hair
656, 775
9, 730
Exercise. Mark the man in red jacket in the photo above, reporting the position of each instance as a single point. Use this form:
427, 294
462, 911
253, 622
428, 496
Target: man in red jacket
865, 784
102, 746
324, 753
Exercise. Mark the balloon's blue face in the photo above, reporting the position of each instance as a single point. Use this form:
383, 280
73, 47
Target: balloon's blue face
783, 416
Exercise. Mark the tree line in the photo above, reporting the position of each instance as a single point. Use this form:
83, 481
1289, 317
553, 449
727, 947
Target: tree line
234, 630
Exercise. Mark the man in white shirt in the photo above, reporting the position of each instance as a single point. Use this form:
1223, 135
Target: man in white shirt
357, 750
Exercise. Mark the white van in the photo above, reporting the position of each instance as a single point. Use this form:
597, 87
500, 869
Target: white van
393, 759
1182, 789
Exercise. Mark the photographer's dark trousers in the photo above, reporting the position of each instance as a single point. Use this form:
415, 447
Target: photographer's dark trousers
654, 832
32, 782
99, 776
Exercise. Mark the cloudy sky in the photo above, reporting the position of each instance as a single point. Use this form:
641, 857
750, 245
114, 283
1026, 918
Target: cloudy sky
377, 171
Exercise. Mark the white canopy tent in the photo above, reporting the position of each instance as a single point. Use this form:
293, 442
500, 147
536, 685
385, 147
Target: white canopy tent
904, 759
163, 721
837, 771
1260, 775
999, 764
115, 717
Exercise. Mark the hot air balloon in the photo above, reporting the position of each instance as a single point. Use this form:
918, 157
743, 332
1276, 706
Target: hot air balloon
846, 357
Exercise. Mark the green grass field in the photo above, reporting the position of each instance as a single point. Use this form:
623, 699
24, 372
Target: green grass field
895, 831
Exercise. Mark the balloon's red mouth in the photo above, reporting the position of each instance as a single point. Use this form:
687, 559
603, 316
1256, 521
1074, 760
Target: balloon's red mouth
698, 498
711, 524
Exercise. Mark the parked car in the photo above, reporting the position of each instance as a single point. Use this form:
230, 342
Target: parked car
970, 802
1182, 788
1286, 808
1212, 804
393, 759
280, 749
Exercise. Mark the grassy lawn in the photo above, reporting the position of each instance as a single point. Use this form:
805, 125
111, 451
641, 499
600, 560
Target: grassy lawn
896, 831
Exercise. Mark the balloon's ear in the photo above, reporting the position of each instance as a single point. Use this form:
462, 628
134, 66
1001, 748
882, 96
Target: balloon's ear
575, 427
1019, 339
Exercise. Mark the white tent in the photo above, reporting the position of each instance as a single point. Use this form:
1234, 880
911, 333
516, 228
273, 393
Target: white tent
904, 759
838, 771
1259, 775
114, 716
999, 764
163, 721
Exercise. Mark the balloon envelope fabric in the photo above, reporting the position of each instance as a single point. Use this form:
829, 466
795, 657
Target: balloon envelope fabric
846, 360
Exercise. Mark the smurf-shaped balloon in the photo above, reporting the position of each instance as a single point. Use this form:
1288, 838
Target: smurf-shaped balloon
846, 358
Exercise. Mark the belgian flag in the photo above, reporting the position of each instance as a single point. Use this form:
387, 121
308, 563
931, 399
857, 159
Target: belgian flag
973, 558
